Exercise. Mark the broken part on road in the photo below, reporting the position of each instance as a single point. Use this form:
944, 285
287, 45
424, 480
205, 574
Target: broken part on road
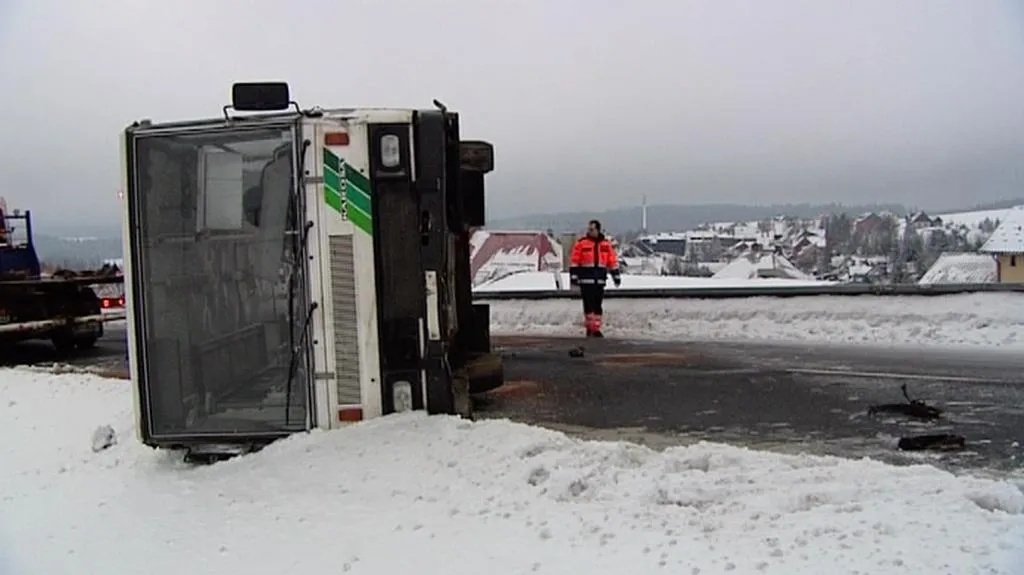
933, 442
912, 408
301, 268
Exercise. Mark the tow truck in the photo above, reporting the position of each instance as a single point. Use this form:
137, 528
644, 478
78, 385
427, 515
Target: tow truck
61, 307
291, 268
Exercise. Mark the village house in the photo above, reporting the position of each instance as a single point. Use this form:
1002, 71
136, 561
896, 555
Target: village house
758, 263
1007, 245
920, 220
497, 253
868, 224
673, 243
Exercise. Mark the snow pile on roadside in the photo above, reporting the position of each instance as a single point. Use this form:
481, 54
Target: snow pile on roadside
59, 368
411, 494
987, 320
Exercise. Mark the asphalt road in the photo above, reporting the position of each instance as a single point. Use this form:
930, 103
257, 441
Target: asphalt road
110, 356
791, 398
785, 397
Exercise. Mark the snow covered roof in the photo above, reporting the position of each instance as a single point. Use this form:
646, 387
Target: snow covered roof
663, 236
919, 217
497, 253
810, 238
1009, 236
961, 268
761, 265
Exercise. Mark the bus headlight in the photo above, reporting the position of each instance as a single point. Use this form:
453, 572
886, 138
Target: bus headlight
401, 395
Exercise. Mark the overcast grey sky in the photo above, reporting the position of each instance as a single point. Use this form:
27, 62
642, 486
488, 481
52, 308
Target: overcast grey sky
588, 102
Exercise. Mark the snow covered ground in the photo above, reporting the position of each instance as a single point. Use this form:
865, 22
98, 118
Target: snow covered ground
986, 320
411, 494
539, 281
973, 219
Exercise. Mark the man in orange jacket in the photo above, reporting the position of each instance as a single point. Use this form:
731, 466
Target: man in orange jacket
593, 259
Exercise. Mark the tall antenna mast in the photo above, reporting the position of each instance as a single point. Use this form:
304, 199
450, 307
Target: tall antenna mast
643, 215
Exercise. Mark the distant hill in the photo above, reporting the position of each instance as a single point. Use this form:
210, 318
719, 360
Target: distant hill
77, 252
94, 243
1000, 205
670, 217
76, 230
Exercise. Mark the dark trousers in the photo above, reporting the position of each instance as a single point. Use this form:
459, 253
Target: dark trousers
593, 296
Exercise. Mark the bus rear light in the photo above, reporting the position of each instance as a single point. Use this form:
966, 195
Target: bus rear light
350, 414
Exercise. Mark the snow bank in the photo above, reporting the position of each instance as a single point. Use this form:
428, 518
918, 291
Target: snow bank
539, 281
411, 494
988, 320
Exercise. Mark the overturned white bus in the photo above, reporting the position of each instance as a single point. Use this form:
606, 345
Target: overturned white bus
289, 269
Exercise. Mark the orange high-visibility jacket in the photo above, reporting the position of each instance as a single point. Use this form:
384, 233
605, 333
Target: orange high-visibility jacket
592, 260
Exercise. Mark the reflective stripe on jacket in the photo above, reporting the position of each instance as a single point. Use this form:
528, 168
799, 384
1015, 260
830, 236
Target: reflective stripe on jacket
592, 260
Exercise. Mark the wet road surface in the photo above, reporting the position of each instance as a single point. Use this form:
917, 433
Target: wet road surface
109, 357
790, 398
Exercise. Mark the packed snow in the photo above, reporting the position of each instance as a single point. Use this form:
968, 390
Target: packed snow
993, 320
539, 281
417, 494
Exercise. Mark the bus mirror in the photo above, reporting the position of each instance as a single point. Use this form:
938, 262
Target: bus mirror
260, 96
476, 156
